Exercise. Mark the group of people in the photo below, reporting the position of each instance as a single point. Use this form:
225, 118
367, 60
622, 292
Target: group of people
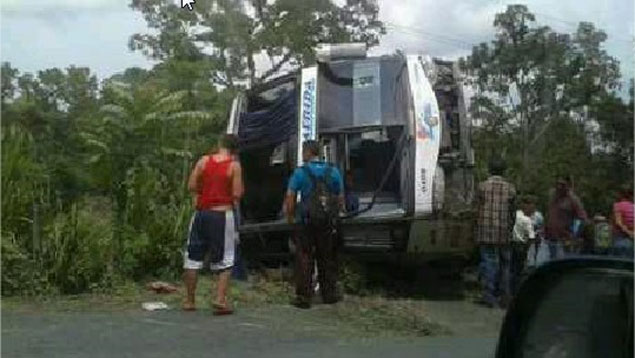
217, 187
513, 236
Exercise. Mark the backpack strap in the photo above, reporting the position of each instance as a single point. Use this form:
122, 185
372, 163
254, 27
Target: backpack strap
327, 175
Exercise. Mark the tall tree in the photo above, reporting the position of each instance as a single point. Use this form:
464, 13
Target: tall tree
53, 107
615, 134
545, 77
232, 35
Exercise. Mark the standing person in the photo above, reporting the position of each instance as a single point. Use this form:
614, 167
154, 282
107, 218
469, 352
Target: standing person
601, 235
217, 183
321, 190
523, 236
537, 246
623, 216
581, 225
564, 209
496, 202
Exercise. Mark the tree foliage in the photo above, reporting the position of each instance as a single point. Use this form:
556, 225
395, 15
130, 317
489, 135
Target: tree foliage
230, 36
91, 171
541, 96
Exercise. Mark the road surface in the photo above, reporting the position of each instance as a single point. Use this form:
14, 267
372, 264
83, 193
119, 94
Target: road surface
274, 331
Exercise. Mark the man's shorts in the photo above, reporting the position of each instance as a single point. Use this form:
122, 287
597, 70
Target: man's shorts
212, 232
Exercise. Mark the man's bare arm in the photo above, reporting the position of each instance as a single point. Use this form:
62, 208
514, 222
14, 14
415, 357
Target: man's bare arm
579, 208
238, 188
289, 206
194, 182
620, 223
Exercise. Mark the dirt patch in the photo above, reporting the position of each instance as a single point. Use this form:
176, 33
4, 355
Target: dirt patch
376, 315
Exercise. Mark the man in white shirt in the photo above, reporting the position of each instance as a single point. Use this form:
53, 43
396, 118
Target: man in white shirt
538, 250
522, 234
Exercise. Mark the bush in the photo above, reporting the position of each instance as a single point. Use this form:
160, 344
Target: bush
353, 277
156, 218
77, 250
20, 273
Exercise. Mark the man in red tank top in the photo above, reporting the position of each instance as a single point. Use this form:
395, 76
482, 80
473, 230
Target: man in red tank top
216, 182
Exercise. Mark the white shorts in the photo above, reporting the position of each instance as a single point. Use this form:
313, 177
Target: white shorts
214, 233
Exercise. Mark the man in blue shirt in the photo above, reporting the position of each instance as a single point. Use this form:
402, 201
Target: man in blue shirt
322, 243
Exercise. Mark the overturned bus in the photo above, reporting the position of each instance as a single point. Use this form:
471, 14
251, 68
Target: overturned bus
396, 125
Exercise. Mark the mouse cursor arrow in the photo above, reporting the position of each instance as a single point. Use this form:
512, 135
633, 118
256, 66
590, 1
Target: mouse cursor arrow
187, 3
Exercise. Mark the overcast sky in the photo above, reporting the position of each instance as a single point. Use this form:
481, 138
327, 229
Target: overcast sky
39, 34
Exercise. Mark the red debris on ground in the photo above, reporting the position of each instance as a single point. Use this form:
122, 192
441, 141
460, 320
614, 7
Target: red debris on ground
161, 287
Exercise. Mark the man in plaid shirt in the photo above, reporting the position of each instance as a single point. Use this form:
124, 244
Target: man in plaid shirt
496, 216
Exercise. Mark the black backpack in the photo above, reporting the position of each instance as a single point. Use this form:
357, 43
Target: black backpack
322, 206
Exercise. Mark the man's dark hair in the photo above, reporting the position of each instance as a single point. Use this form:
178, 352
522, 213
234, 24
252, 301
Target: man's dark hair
229, 142
528, 199
312, 147
497, 166
566, 179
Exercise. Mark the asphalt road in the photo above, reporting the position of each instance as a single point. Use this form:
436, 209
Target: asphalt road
276, 331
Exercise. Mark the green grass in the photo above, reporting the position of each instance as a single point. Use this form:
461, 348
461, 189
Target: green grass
129, 296
371, 315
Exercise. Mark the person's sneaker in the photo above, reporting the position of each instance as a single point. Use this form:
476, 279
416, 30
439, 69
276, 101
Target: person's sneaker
301, 303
